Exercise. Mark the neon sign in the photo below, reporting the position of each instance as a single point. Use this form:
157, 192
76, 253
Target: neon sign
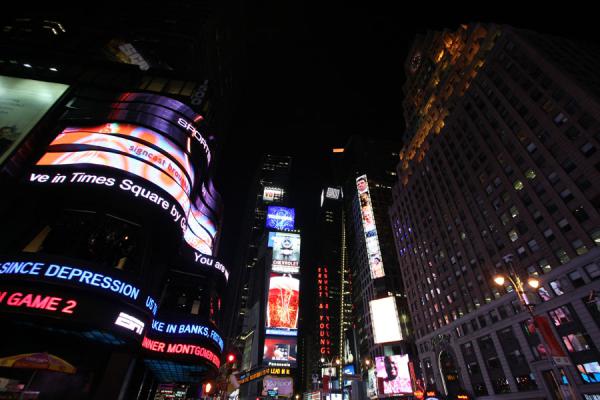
38, 301
181, 348
188, 329
324, 331
64, 272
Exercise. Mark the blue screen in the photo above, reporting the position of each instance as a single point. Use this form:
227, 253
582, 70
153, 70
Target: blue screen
280, 218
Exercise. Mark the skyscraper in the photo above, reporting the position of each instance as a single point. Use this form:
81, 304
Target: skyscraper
499, 175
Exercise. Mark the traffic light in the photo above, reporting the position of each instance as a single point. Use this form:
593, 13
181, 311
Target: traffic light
230, 358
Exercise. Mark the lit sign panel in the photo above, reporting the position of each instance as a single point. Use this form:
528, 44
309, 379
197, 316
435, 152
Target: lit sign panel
144, 153
280, 218
129, 322
333, 193
280, 351
372, 384
188, 329
181, 348
384, 319
272, 194
370, 231
282, 305
24, 103
35, 300
282, 386
49, 272
324, 328
72, 274
286, 253
393, 371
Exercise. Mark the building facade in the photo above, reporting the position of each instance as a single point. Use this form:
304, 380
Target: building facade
499, 175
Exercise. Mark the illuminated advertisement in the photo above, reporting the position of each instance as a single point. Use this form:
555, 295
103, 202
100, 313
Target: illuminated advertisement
271, 194
324, 327
393, 371
370, 231
280, 351
384, 319
23, 102
283, 386
144, 153
372, 384
333, 193
286, 253
36, 270
282, 305
280, 218
188, 329
348, 370
184, 349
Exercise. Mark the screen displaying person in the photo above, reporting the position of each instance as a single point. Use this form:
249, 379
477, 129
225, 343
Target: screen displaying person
361, 185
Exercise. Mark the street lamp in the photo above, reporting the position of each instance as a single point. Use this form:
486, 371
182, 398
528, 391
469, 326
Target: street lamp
517, 283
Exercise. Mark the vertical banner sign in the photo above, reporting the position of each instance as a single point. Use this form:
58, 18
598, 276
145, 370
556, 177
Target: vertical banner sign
324, 334
556, 352
368, 221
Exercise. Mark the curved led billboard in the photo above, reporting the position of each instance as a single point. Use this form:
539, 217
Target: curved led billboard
173, 155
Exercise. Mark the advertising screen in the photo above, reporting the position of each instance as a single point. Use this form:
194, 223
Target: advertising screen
282, 305
333, 193
286, 253
280, 218
384, 318
278, 386
23, 102
372, 384
369, 228
271, 194
280, 351
393, 370
146, 154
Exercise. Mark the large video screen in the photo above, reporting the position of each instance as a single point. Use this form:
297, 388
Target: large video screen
280, 218
280, 351
23, 102
147, 154
369, 228
393, 370
384, 320
283, 305
286, 253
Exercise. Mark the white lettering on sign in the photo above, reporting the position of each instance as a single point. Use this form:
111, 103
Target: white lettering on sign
188, 126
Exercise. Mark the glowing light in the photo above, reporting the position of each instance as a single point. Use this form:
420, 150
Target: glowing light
499, 280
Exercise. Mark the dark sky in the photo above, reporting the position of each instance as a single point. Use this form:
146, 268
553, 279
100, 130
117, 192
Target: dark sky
315, 73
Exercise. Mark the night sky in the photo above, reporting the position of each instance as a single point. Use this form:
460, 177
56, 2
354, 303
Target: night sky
316, 73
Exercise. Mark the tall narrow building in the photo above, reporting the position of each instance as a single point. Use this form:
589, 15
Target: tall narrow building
499, 175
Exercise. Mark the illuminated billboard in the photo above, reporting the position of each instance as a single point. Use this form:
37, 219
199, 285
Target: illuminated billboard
280, 218
384, 320
283, 387
286, 253
23, 102
333, 193
282, 305
369, 228
280, 351
144, 153
271, 194
394, 374
372, 384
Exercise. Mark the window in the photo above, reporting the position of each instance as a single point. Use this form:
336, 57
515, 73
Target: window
589, 372
533, 246
545, 265
556, 288
553, 177
566, 195
513, 235
530, 174
518, 185
595, 236
579, 247
562, 255
568, 165
578, 341
580, 214
560, 119
563, 224
588, 149
531, 147
561, 316
544, 294
576, 279
593, 271
549, 234
514, 211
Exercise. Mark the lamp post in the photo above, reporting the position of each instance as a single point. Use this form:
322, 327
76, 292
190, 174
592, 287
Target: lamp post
534, 283
334, 363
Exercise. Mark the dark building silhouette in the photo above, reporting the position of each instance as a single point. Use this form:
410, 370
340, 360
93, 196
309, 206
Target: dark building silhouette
111, 219
499, 175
